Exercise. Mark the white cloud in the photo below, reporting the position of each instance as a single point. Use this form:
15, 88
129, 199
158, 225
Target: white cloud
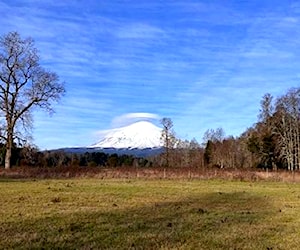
139, 31
129, 118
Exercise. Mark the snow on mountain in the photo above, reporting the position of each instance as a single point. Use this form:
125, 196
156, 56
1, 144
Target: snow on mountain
142, 134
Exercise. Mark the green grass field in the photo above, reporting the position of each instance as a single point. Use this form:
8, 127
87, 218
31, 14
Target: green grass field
149, 214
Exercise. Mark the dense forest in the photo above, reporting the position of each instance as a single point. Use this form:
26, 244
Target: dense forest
273, 142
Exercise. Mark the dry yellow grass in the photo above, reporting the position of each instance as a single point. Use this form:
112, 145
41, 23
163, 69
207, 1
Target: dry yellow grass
149, 214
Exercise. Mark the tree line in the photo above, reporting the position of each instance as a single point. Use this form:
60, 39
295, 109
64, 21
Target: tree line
32, 157
273, 142
275, 138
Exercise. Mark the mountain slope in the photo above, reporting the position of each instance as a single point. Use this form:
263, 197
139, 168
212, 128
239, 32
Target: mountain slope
141, 135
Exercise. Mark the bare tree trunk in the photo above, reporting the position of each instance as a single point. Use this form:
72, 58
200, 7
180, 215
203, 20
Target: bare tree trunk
8, 151
298, 145
290, 147
7, 158
297, 138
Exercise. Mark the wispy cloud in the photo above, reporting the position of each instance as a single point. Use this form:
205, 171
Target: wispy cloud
204, 64
139, 31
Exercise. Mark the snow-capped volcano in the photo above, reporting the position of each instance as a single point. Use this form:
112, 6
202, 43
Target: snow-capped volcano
142, 134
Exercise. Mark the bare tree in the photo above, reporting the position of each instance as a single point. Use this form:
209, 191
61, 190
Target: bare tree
267, 108
213, 135
168, 137
288, 128
24, 84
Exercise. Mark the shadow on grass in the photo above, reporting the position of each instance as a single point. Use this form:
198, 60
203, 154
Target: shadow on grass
215, 221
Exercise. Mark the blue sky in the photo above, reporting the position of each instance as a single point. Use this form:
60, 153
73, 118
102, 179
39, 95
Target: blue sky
204, 64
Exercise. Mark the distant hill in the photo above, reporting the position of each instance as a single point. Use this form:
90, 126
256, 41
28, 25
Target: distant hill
138, 152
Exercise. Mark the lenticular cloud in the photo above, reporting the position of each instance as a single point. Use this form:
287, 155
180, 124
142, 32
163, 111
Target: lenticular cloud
129, 118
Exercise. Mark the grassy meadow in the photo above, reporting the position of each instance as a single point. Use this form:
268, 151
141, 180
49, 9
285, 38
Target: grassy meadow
148, 214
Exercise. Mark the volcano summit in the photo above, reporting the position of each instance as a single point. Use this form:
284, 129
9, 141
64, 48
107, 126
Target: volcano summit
142, 134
